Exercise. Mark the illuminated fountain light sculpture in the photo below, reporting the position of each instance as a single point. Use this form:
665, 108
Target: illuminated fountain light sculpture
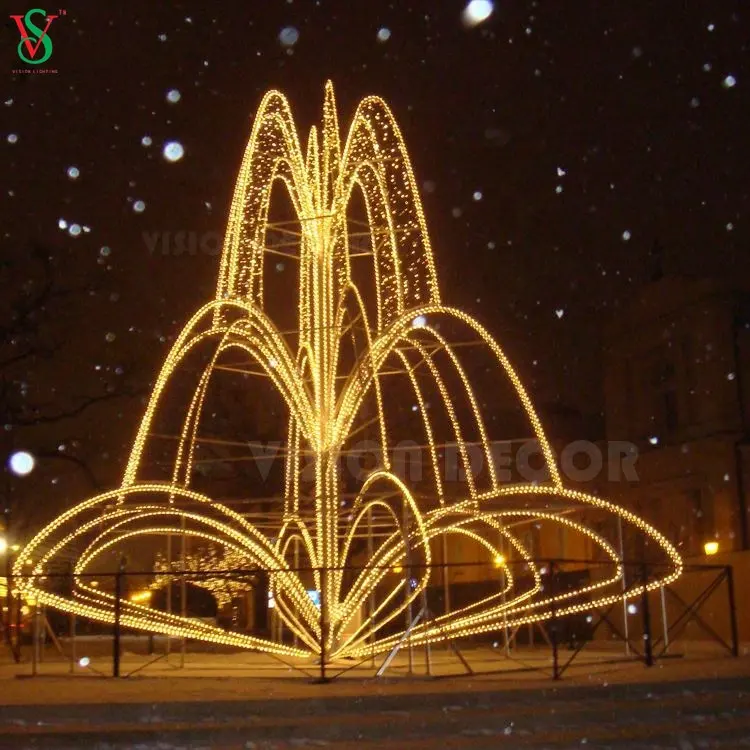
334, 374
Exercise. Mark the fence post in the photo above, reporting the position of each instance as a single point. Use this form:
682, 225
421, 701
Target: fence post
648, 651
116, 643
17, 648
732, 611
35, 637
554, 623
323, 626
72, 624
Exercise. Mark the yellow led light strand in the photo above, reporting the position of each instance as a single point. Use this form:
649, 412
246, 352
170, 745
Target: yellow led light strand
325, 401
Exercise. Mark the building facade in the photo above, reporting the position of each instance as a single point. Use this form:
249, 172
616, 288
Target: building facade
676, 378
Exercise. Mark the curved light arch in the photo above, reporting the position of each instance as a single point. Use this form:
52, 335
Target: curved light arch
324, 402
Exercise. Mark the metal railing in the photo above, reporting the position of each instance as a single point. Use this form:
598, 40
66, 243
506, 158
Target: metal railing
646, 623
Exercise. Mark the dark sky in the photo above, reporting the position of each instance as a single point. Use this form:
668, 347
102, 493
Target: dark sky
590, 129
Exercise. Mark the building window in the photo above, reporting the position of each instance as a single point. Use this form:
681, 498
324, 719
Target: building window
662, 403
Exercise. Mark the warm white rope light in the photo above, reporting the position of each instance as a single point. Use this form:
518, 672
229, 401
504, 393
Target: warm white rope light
325, 397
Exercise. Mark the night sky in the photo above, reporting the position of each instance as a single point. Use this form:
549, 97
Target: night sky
554, 143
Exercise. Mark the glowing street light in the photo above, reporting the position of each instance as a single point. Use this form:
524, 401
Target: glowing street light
711, 548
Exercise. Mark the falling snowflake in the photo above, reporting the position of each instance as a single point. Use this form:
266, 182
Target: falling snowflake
74, 173
74, 230
384, 34
21, 463
12, 138
288, 36
477, 196
146, 141
476, 12
626, 235
173, 151
139, 207
173, 96
729, 82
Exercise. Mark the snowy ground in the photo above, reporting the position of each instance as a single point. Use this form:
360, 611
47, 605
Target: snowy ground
228, 701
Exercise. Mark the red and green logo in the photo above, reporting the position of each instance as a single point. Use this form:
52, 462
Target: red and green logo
35, 46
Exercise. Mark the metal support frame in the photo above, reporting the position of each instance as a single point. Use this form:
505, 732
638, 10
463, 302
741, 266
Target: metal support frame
116, 648
650, 649
690, 613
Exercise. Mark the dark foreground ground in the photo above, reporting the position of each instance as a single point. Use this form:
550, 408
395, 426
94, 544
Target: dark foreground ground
703, 705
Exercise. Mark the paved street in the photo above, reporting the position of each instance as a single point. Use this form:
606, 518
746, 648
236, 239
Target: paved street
686, 705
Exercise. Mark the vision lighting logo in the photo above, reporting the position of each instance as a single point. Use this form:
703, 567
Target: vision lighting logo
35, 47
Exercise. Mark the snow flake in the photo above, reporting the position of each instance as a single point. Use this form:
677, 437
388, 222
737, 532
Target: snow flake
21, 463
476, 12
173, 151
288, 36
